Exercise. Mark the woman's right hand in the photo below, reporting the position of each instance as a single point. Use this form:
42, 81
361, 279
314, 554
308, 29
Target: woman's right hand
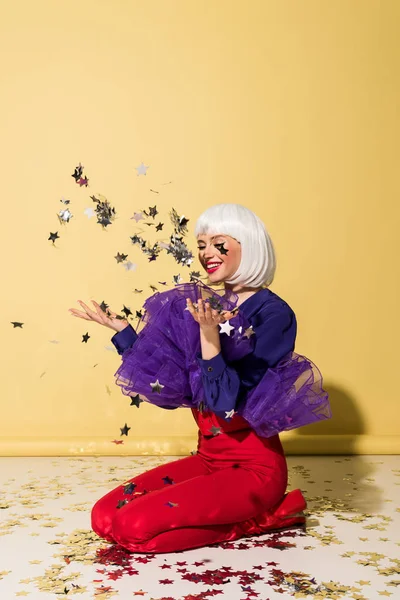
107, 319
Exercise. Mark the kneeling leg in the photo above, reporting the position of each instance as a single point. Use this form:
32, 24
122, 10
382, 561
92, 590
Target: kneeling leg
106, 508
197, 512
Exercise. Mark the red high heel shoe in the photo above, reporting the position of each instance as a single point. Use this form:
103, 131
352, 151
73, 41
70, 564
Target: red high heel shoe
287, 513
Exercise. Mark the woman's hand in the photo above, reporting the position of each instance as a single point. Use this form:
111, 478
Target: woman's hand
208, 318
107, 319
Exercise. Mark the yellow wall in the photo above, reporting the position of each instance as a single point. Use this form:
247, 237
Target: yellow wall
287, 107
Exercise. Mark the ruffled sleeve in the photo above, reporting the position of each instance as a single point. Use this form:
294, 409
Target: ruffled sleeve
125, 339
161, 364
227, 383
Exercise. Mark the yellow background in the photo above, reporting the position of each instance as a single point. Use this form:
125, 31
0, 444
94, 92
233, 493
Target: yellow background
288, 107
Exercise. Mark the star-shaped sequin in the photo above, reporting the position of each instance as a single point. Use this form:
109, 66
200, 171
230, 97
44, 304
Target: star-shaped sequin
215, 430
225, 328
130, 488
156, 387
249, 332
167, 480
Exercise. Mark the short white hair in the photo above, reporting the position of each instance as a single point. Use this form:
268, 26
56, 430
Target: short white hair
258, 261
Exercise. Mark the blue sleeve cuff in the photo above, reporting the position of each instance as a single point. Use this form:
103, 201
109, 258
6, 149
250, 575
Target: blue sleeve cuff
213, 367
124, 339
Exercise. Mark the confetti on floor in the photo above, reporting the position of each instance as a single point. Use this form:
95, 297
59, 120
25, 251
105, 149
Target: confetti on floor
350, 547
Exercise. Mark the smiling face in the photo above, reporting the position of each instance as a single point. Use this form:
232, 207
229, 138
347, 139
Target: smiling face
222, 250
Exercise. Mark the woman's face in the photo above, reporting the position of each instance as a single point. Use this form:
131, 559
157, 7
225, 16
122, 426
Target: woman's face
221, 249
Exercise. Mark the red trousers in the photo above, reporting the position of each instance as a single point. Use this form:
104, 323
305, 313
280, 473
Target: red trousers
224, 492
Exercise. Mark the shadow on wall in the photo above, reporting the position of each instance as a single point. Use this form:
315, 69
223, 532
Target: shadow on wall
346, 418
345, 473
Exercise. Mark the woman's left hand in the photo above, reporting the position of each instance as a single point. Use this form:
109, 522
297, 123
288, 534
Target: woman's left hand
207, 317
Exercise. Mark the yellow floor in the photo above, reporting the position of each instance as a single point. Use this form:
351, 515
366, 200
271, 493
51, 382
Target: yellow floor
350, 548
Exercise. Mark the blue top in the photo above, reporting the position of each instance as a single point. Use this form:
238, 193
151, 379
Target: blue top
225, 385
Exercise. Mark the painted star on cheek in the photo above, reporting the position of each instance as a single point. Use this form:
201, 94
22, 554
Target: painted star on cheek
221, 248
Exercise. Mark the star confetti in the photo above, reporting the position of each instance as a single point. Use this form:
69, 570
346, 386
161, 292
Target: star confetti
151, 250
78, 172
136, 401
120, 257
105, 212
130, 488
167, 480
141, 169
179, 250
54, 236
215, 430
229, 415
179, 222
125, 429
64, 216
225, 328
156, 387
127, 311
129, 266
152, 211
249, 332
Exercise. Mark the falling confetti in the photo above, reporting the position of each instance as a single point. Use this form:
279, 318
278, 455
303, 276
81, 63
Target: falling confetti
125, 429
105, 212
141, 169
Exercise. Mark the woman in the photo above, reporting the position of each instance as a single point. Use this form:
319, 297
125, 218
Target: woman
242, 389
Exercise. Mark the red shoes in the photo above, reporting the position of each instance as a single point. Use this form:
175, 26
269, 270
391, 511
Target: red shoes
287, 513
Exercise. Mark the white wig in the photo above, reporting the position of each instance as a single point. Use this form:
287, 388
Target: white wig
258, 260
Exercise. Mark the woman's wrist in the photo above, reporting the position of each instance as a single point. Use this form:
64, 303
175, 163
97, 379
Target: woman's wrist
120, 327
210, 343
